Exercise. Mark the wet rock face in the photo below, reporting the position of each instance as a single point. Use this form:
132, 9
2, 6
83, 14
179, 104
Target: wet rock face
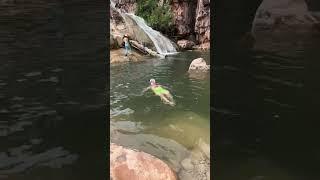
192, 18
202, 25
129, 6
185, 44
129, 164
184, 16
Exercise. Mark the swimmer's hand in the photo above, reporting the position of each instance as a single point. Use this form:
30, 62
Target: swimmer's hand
145, 89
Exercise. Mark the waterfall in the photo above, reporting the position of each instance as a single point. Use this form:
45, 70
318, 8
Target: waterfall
162, 43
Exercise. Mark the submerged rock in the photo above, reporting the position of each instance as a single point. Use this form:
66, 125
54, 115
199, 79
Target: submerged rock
197, 166
198, 64
130, 164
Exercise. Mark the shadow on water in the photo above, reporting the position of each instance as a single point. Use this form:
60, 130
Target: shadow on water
52, 99
263, 110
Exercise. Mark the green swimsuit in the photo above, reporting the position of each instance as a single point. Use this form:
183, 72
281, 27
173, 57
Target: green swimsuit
159, 90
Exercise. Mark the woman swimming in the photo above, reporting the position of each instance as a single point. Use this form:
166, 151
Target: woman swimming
164, 94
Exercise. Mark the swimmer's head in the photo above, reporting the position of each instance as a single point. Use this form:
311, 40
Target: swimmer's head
152, 81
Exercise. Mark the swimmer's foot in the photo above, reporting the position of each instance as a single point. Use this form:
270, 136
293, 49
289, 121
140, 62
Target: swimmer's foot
169, 103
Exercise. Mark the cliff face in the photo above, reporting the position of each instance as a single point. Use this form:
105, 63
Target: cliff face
129, 6
184, 17
192, 20
202, 26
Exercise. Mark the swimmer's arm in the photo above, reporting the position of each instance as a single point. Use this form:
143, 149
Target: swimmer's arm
146, 89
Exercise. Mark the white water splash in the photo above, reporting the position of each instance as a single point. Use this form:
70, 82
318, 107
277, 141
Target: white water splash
163, 44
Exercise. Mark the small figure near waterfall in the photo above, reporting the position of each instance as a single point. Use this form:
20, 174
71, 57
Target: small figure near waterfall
164, 94
126, 44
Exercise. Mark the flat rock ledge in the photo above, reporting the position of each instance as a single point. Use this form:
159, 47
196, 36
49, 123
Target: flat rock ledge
136, 165
117, 56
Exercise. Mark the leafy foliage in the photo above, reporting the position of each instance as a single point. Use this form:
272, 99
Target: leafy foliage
158, 17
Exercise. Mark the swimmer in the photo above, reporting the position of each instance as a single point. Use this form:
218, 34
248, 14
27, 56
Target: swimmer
164, 94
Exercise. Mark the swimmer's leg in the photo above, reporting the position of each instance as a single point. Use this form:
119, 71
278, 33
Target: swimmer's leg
164, 99
169, 99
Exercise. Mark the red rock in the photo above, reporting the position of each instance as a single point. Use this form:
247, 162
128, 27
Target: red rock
135, 165
185, 44
202, 24
183, 16
128, 6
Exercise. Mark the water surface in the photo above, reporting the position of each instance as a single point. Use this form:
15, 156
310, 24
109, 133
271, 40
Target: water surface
143, 122
263, 107
52, 90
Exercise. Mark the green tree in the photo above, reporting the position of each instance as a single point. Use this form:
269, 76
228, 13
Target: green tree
158, 17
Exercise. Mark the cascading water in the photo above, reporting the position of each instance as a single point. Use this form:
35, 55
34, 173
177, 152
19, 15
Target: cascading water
162, 44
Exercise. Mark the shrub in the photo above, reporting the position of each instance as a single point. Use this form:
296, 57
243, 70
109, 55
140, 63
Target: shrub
157, 17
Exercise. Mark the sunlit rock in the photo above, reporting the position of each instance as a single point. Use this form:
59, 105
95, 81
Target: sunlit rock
199, 64
130, 164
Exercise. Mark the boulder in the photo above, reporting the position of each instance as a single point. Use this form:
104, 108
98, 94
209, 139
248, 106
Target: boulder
131, 164
185, 44
198, 64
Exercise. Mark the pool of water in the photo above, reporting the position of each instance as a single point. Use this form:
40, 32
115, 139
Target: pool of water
264, 103
52, 90
143, 122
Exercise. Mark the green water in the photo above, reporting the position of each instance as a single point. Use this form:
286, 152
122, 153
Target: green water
143, 122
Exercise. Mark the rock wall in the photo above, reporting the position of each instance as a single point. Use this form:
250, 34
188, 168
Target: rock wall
184, 17
202, 26
129, 6
192, 20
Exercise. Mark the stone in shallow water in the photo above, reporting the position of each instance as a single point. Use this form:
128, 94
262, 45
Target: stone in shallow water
130, 164
199, 64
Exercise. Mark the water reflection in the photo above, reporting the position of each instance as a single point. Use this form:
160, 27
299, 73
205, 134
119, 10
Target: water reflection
52, 90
